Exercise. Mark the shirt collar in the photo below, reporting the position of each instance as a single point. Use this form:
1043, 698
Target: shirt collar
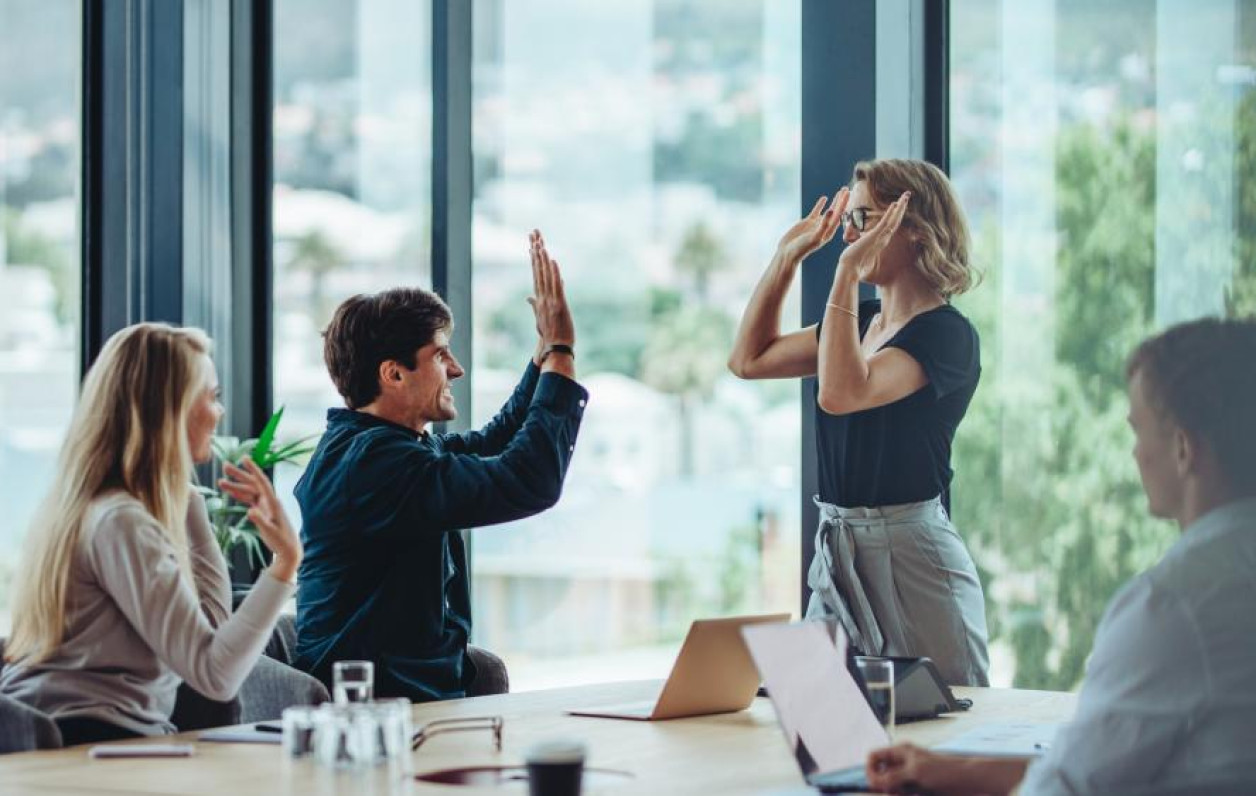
1238, 516
337, 416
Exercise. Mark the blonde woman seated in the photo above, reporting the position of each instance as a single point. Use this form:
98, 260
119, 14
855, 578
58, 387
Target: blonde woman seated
123, 592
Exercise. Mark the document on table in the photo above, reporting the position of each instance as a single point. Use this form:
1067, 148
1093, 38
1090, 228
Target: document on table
244, 734
1002, 739
815, 697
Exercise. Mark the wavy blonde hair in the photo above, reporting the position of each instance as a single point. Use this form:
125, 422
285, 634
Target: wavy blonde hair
933, 218
128, 432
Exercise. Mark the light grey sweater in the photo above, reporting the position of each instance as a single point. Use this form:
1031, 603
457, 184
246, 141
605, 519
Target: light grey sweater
136, 627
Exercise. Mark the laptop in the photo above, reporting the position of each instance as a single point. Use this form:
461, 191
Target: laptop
820, 706
713, 674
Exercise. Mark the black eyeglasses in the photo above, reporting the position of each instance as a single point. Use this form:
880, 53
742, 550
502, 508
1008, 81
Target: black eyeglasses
858, 218
493, 723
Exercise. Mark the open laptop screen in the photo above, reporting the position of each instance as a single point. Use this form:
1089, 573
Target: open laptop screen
826, 720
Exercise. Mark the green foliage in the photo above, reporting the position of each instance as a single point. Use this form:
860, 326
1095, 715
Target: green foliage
316, 254
1240, 299
739, 574
1045, 488
700, 256
228, 518
24, 246
675, 598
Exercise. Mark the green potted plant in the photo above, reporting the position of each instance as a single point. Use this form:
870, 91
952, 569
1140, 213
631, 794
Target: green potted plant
228, 518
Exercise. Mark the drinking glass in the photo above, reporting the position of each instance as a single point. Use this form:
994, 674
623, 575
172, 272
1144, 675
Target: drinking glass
878, 677
298, 731
337, 736
353, 681
389, 731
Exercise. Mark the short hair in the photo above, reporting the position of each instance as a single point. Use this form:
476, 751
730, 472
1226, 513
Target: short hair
1202, 377
933, 216
368, 330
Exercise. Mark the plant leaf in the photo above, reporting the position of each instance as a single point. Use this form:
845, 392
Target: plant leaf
261, 451
224, 448
295, 448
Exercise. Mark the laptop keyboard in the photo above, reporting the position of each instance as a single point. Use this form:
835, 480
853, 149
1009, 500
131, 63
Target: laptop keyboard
846, 779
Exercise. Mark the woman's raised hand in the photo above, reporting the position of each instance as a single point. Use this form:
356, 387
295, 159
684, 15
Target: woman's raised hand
814, 229
859, 257
250, 486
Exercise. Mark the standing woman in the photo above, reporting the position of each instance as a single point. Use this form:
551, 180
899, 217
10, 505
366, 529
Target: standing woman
894, 378
123, 592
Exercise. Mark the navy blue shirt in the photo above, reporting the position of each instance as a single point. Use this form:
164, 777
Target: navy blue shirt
901, 452
384, 577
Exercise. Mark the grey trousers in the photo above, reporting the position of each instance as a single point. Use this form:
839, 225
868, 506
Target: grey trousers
901, 582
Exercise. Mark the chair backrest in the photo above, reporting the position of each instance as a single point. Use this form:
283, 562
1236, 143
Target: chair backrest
283, 641
22, 728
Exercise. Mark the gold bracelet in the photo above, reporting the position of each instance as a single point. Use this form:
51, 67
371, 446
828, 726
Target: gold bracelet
849, 312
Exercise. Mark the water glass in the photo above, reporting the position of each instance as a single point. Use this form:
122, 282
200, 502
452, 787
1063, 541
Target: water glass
353, 681
878, 678
337, 736
298, 731
387, 728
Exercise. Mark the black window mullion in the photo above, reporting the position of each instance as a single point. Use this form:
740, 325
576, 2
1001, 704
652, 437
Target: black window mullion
937, 76
451, 178
252, 191
132, 167
838, 129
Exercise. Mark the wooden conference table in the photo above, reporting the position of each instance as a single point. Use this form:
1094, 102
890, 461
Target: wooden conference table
732, 753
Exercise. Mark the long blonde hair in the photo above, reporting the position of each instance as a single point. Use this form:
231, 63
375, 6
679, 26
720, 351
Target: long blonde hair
128, 432
934, 218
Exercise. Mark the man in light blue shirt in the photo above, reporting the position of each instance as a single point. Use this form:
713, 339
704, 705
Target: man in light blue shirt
1169, 701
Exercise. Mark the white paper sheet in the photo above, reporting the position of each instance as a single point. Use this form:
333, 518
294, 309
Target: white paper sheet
245, 734
813, 693
1002, 739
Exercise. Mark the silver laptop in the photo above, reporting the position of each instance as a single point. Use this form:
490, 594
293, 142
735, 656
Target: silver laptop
713, 673
828, 723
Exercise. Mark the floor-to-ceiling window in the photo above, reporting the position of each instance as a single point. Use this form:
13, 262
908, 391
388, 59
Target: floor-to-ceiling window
40, 62
352, 152
656, 144
1106, 155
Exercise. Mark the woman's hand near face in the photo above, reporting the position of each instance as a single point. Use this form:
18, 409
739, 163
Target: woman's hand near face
250, 486
814, 229
860, 256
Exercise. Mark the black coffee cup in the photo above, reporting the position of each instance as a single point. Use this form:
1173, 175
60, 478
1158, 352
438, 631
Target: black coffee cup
555, 768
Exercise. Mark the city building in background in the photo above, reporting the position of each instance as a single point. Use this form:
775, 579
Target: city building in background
1105, 154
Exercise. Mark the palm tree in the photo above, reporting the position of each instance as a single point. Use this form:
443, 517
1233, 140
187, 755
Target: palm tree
314, 252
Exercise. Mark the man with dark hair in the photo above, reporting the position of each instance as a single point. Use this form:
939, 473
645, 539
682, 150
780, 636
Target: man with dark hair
385, 571
1169, 699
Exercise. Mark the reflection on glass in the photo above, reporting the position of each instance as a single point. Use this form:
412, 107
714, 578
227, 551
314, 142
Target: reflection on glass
39, 256
656, 145
1106, 155
352, 150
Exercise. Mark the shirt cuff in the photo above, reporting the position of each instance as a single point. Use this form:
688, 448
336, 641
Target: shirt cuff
530, 375
560, 394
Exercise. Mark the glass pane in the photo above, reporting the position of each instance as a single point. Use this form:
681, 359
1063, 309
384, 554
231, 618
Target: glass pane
40, 63
352, 152
656, 144
1106, 155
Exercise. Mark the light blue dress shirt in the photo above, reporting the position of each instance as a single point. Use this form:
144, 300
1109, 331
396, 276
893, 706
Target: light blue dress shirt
1169, 701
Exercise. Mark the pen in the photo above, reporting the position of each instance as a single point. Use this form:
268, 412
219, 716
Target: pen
265, 727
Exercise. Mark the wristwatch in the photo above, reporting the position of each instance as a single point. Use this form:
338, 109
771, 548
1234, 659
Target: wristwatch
558, 348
